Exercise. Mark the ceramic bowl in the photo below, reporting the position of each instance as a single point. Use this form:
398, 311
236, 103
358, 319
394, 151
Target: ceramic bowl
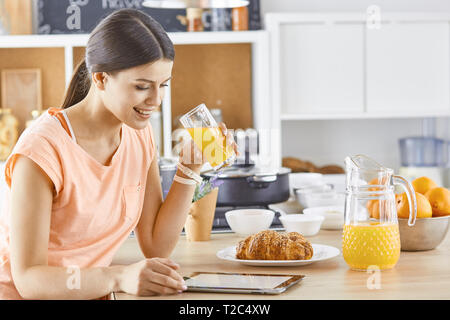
338, 181
249, 221
300, 180
306, 225
426, 234
322, 199
334, 216
301, 194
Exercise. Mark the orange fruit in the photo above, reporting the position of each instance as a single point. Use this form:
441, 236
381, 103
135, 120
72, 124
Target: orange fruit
377, 181
374, 206
424, 209
439, 199
423, 184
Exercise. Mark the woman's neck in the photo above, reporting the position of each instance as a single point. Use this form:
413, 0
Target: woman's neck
92, 121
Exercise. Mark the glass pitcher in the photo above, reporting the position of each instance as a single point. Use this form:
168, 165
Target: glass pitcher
371, 237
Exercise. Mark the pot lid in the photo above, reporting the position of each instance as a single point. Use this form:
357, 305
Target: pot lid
233, 172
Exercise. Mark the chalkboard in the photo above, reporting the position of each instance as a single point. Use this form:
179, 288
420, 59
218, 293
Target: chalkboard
81, 16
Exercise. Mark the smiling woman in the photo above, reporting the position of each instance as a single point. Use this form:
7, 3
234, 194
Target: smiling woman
89, 174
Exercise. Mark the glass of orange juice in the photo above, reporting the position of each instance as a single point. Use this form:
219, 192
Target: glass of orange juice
208, 137
371, 238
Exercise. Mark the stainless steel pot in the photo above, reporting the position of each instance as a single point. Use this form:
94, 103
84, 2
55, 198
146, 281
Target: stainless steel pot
167, 170
249, 187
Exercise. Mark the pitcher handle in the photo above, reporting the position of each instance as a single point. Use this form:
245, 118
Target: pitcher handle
411, 195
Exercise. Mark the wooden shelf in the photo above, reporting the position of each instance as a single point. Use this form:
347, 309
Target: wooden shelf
227, 70
80, 40
51, 63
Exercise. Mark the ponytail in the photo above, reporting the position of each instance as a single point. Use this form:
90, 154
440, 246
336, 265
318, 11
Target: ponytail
78, 87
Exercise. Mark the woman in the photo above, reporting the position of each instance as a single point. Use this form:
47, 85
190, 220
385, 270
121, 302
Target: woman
86, 175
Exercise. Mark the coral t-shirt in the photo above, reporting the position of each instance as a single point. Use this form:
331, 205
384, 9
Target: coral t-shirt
95, 207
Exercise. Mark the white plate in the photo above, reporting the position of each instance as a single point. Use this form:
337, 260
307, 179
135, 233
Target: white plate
321, 253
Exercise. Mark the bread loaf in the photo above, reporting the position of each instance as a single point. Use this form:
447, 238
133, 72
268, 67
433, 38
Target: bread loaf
271, 245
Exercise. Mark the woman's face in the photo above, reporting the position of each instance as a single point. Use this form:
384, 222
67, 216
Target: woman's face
133, 94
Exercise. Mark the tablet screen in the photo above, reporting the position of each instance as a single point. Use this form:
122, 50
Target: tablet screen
240, 281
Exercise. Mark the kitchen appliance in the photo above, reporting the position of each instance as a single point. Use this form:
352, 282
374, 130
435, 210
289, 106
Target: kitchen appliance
247, 142
372, 240
156, 123
422, 156
167, 170
252, 186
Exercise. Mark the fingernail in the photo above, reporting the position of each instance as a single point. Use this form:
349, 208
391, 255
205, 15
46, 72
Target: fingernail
184, 287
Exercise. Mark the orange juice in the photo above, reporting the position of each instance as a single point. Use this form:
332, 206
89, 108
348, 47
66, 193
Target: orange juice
371, 244
212, 143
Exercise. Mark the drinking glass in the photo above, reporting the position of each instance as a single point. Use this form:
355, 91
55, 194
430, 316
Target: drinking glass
208, 137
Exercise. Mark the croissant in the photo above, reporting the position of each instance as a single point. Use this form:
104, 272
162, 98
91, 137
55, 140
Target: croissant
271, 245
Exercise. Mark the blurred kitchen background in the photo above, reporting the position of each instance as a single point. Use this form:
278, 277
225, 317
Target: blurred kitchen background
317, 80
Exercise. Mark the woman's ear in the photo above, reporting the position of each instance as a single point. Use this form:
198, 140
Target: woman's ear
99, 80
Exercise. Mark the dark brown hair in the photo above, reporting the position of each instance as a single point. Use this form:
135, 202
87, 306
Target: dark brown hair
126, 38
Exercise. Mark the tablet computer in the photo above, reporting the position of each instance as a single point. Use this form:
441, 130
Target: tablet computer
240, 282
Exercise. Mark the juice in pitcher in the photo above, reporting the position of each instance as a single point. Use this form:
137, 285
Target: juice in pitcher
369, 243
212, 143
371, 237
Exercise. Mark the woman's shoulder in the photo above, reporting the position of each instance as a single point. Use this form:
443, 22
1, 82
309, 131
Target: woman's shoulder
43, 136
45, 125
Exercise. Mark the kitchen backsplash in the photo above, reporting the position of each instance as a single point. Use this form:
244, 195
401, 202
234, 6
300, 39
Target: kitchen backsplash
329, 141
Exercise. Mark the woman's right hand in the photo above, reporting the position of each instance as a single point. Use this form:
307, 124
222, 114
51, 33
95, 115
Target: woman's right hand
155, 276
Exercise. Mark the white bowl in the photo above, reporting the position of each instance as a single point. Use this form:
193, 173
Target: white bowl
338, 181
334, 216
322, 199
249, 221
305, 179
288, 207
307, 225
302, 193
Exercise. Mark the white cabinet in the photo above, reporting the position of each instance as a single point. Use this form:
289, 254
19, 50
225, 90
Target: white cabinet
321, 68
408, 68
330, 66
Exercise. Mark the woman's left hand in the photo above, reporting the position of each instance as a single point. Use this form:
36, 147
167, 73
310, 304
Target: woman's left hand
229, 137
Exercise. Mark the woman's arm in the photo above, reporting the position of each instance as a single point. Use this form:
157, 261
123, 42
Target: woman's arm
161, 223
31, 206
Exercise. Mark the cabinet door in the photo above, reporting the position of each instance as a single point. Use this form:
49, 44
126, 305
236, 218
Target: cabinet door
322, 68
408, 68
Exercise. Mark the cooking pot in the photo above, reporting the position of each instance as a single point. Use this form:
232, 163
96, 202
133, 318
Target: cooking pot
167, 170
251, 186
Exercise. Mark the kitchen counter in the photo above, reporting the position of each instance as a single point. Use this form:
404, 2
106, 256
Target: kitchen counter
417, 275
